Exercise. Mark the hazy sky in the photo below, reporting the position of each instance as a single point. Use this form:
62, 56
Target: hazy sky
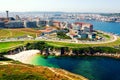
61, 5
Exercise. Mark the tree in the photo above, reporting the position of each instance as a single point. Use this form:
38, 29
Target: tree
41, 46
62, 35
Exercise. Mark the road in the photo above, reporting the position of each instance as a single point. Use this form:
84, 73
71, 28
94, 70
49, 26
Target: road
114, 38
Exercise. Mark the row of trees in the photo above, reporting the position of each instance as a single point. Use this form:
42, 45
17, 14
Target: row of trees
43, 46
93, 50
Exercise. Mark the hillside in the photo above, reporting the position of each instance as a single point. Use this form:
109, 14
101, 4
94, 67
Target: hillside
18, 71
8, 33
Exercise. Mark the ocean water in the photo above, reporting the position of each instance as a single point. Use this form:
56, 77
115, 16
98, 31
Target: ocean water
93, 68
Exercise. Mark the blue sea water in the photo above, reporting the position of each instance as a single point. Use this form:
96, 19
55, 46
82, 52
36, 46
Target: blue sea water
93, 68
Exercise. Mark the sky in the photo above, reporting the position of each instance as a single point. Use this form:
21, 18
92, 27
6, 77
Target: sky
61, 5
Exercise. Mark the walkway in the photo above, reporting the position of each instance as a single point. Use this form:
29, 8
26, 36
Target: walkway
65, 72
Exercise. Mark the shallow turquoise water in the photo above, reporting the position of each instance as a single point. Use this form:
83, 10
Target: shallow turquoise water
94, 68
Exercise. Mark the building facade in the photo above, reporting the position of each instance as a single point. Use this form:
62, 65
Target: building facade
30, 24
14, 24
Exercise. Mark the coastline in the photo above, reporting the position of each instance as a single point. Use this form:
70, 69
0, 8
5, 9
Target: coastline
106, 55
25, 57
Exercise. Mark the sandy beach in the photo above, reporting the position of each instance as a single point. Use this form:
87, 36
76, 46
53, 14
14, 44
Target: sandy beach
24, 56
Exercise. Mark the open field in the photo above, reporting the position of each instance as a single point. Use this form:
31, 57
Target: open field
8, 33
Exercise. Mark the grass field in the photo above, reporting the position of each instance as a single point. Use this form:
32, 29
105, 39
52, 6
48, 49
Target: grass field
7, 33
4, 46
74, 45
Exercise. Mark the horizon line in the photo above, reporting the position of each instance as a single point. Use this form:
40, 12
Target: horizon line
54, 11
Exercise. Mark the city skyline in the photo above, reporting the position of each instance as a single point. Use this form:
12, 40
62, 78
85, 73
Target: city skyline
61, 5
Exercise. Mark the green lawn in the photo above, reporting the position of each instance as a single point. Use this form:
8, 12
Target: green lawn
74, 45
4, 46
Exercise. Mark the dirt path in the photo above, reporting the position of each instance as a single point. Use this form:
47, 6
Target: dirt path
65, 74
4, 63
59, 73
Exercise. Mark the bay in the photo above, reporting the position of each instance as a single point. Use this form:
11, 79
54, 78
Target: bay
93, 68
